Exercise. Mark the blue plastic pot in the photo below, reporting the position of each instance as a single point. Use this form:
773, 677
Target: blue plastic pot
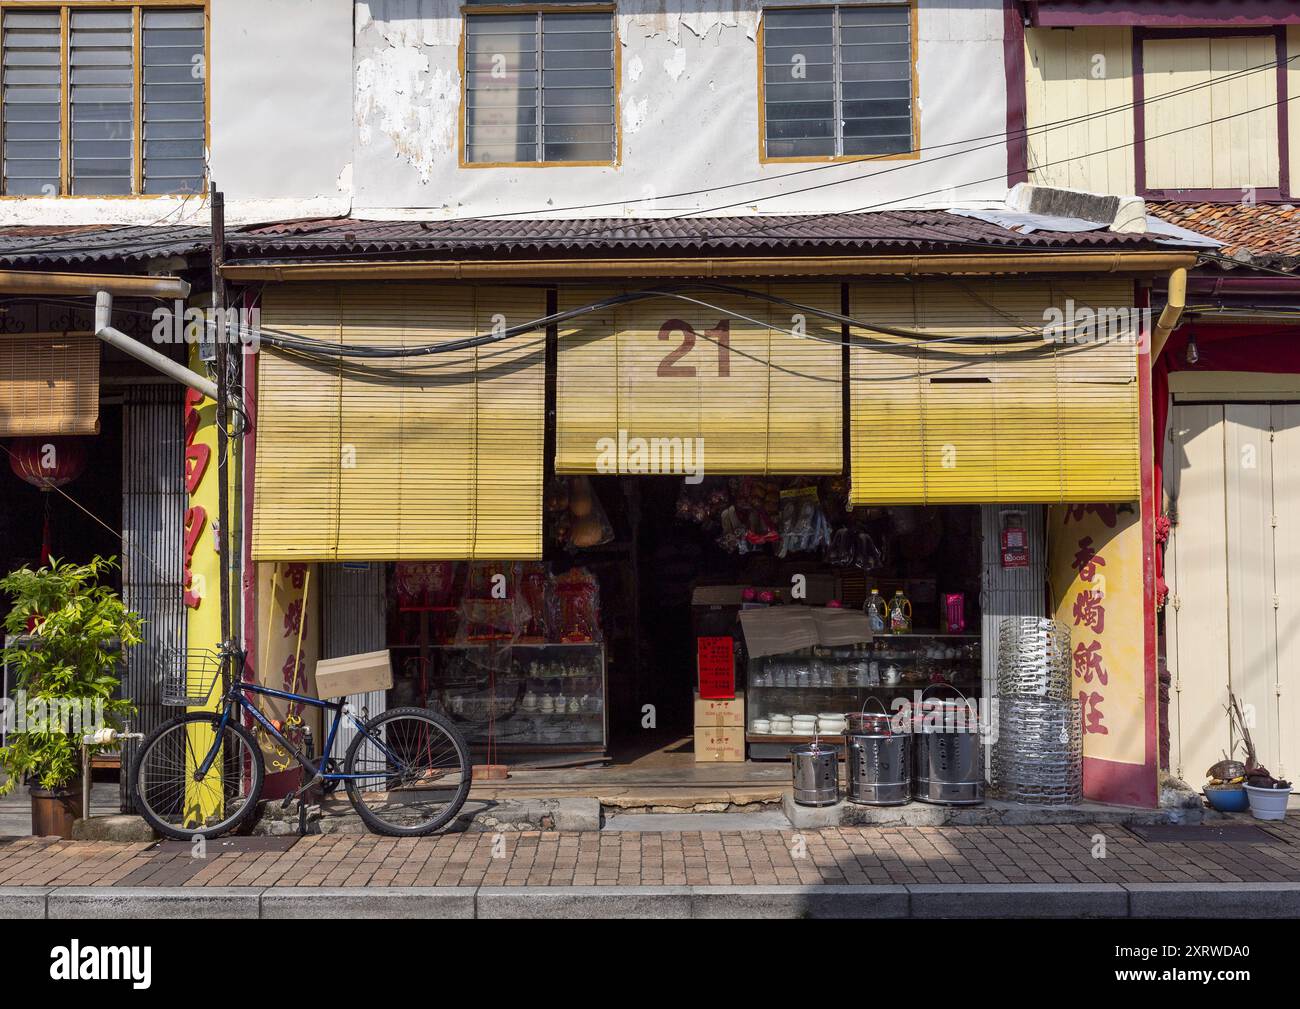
1228, 800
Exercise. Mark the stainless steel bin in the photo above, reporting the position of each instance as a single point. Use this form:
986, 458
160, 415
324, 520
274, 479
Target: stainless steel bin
816, 774
879, 768
949, 767
948, 756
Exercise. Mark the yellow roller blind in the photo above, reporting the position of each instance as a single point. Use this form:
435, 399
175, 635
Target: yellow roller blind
762, 401
49, 384
1042, 422
429, 457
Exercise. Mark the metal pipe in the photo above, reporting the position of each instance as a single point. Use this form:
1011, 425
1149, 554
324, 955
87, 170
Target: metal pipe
89, 284
802, 266
1175, 302
159, 362
1214, 286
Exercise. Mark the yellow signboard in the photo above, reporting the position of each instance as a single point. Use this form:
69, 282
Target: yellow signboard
1097, 588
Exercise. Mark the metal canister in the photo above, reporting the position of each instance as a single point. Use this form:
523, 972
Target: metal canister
816, 775
949, 764
879, 768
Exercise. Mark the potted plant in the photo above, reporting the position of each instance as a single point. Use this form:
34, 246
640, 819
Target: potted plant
70, 632
1267, 795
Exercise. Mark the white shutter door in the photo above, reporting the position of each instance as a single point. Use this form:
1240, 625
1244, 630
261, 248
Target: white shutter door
1286, 552
1252, 637
1197, 621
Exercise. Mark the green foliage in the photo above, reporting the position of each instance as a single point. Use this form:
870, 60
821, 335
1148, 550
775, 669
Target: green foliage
79, 629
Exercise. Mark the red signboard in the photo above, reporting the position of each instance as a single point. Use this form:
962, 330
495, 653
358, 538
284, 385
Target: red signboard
715, 658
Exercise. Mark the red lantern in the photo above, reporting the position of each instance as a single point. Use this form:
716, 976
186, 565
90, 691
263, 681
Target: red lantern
47, 463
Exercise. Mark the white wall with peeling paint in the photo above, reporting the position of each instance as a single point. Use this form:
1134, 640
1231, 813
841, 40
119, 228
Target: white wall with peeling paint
330, 107
689, 111
280, 122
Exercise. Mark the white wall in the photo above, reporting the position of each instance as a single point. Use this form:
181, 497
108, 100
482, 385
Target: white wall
280, 122
281, 97
325, 107
689, 110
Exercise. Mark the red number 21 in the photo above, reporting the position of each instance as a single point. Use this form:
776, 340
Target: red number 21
720, 334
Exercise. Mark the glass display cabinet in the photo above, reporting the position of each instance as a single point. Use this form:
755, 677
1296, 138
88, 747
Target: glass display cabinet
788, 695
519, 697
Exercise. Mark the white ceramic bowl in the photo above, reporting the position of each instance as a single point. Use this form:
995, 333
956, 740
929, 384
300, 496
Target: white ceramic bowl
760, 726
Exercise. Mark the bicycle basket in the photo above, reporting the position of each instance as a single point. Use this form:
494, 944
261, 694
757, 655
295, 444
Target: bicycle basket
189, 674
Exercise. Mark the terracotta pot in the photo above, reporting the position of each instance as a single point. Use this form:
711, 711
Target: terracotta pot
54, 810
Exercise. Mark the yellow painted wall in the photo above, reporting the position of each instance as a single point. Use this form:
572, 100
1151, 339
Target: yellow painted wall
202, 585
287, 595
1241, 149
1069, 74
1079, 72
1292, 90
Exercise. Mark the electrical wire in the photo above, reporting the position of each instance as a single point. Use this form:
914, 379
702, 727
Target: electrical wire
1000, 137
601, 234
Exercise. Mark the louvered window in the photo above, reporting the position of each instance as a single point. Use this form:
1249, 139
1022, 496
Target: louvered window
539, 88
103, 101
837, 81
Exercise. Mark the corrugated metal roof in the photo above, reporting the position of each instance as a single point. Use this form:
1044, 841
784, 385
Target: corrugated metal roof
498, 237
886, 231
70, 245
1260, 235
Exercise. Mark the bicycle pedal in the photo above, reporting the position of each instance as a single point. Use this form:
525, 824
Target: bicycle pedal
298, 793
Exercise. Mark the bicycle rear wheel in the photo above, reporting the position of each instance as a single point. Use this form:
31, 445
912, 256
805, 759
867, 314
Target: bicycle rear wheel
179, 802
409, 772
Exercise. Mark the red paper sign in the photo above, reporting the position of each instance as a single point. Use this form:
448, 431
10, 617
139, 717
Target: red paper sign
715, 658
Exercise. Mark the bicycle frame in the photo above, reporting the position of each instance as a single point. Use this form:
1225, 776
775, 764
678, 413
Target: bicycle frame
236, 699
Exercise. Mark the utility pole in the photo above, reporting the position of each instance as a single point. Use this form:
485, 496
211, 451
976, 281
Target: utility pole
217, 205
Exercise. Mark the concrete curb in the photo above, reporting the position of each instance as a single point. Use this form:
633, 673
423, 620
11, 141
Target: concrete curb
368, 902
1214, 900
153, 902
1029, 900
1019, 900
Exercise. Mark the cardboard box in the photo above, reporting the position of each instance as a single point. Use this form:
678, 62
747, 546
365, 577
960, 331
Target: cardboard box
354, 674
720, 714
724, 745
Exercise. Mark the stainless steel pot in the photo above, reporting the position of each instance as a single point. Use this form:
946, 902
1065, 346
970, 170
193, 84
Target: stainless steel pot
949, 767
879, 768
815, 773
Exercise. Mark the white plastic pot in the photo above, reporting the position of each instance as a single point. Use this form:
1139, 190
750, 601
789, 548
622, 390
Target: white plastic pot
1268, 803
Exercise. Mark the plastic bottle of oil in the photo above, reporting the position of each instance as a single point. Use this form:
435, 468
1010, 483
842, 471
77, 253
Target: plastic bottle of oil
877, 612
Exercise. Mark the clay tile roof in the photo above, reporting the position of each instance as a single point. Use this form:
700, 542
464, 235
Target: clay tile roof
1262, 234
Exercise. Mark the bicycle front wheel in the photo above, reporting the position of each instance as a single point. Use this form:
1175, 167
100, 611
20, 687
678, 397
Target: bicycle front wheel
409, 773
181, 800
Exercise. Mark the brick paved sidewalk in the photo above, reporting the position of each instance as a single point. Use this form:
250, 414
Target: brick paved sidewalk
858, 855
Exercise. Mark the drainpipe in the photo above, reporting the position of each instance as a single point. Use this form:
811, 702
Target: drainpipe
159, 362
1175, 302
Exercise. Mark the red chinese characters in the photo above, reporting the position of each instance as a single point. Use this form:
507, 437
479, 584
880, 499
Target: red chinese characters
1089, 663
197, 459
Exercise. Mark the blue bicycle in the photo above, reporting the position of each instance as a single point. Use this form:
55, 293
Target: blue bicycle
407, 771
